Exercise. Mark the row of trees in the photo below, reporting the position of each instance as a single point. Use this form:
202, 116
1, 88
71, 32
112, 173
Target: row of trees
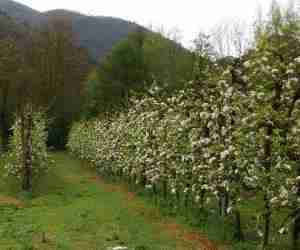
41, 70
232, 132
45, 68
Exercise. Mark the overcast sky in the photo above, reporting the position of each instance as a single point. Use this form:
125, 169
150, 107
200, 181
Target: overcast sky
189, 16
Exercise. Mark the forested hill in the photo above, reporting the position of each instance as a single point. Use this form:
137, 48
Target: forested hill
97, 34
9, 28
20, 12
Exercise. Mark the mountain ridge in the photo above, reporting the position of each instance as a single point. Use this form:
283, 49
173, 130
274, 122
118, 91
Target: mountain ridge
96, 33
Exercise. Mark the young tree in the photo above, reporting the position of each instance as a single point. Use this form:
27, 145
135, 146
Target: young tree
30, 133
273, 103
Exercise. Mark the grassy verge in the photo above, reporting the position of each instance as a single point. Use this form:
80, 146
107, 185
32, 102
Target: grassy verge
219, 230
72, 208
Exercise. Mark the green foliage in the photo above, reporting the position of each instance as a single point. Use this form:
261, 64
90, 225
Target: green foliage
168, 62
132, 67
126, 64
123, 70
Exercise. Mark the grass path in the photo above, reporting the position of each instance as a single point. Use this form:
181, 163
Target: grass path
72, 208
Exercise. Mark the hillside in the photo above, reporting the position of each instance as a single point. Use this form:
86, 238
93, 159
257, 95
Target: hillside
97, 34
9, 28
20, 12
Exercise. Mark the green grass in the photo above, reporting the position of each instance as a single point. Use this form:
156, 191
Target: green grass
71, 209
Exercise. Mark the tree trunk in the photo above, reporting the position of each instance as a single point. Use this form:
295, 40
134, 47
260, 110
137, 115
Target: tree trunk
267, 217
143, 178
223, 203
239, 235
296, 234
202, 199
220, 204
4, 127
226, 203
296, 226
267, 168
165, 189
26, 133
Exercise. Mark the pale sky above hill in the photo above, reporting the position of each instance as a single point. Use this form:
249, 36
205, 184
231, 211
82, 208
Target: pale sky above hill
188, 16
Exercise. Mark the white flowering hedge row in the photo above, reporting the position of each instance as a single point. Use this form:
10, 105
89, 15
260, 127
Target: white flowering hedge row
201, 145
237, 133
40, 159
